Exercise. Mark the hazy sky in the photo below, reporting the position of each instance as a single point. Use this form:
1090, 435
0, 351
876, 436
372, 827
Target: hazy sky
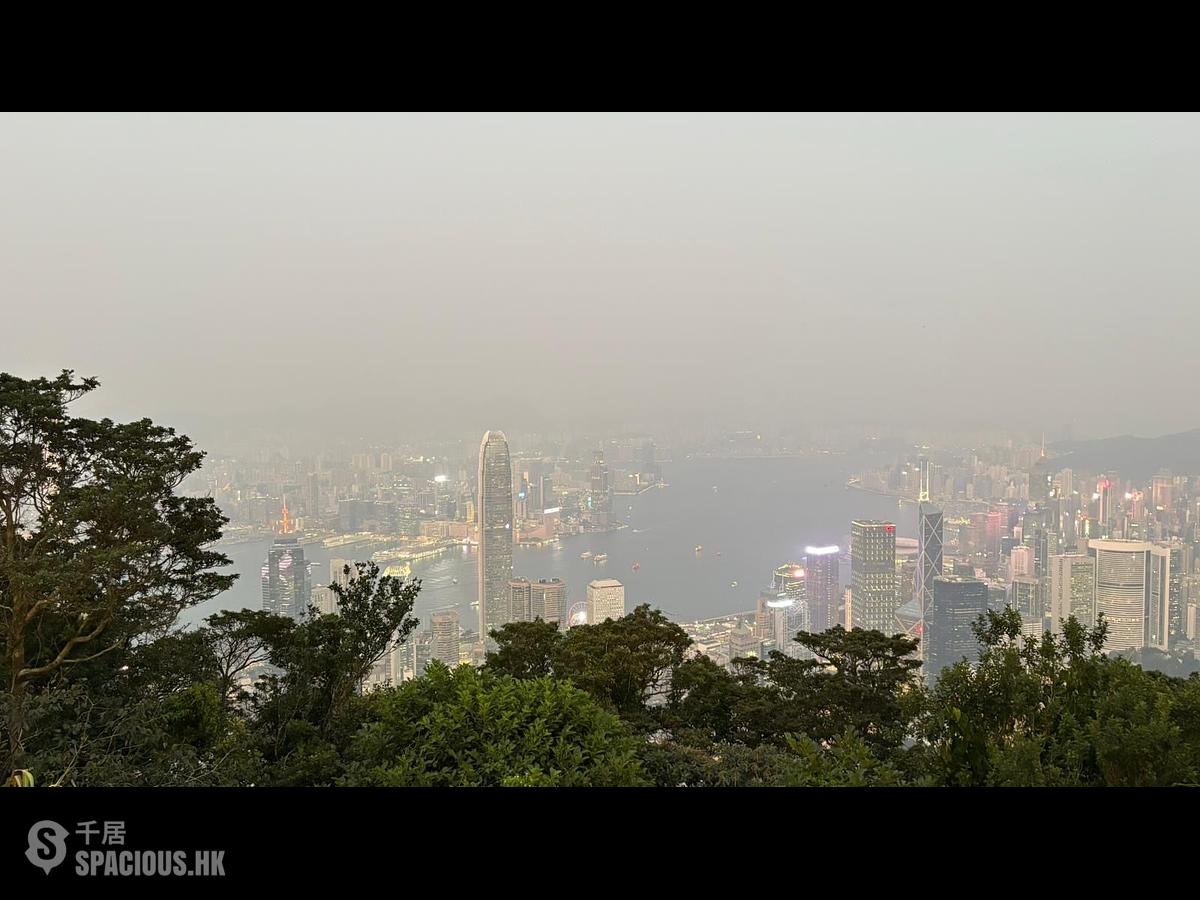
427, 272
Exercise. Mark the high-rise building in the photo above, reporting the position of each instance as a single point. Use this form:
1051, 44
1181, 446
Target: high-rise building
548, 599
445, 627
873, 575
821, 586
789, 579
495, 507
520, 600
1026, 599
789, 615
1177, 597
1020, 562
929, 551
1072, 590
956, 604
1132, 592
600, 498
605, 600
286, 579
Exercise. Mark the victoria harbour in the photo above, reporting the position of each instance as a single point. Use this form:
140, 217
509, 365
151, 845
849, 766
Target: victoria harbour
747, 516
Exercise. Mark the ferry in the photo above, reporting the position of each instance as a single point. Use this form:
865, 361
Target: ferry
699, 548
600, 558
636, 566
733, 584
586, 554
454, 581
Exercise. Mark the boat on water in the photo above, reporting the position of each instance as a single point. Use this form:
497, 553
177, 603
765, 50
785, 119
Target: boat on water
454, 581
733, 584
699, 548
586, 554
600, 558
636, 566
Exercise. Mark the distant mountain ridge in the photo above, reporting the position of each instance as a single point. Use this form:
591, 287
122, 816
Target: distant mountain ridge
1132, 457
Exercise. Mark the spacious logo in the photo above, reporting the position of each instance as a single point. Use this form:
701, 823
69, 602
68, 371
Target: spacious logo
47, 845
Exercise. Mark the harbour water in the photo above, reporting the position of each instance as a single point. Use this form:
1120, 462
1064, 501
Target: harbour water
748, 515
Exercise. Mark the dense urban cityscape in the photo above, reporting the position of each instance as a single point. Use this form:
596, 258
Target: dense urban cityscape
999, 527
391, 451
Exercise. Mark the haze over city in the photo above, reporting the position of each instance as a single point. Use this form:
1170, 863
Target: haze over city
605, 450
391, 275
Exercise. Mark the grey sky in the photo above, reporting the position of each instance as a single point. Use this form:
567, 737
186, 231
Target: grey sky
468, 272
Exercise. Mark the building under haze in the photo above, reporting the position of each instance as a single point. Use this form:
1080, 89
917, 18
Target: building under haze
873, 596
821, 586
1072, 590
495, 559
1132, 592
929, 552
286, 579
956, 603
548, 599
444, 645
605, 600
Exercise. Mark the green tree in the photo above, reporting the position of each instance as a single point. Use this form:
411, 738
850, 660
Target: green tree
624, 663
324, 660
525, 649
96, 548
856, 680
472, 728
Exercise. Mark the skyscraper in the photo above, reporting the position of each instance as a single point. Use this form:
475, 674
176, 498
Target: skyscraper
547, 599
1072, 589
873, 575
495, 564
956, 603
605, 600
1132, 591
286, 580
821, 577
600, 498
520, 600
445, 637
929, 551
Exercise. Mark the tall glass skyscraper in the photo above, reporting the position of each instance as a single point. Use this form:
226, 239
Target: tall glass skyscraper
955, 605
929, 561
495, 534
286, 579
873, 595
821, 577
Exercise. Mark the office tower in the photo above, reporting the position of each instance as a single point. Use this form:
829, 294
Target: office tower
1020, 562
821, 587
1176, 575
286, 580
600, 498
764, 617
495, 565
1104, 490
312, 498
605, 600
1072, 589
1132, 592
789, 579
1045, 547
995, 529
548, 599
789, 615
873, 575
955, 605
1027, 600
520, 600
1160, 493
444, 647
929, 551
